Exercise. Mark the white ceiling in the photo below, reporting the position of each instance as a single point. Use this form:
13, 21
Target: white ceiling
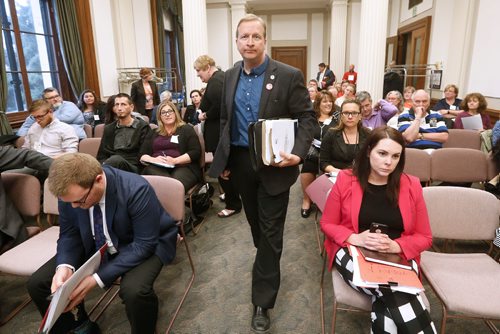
253, 5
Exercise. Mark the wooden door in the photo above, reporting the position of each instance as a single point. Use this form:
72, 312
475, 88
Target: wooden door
413, 48
295, 56
418, 54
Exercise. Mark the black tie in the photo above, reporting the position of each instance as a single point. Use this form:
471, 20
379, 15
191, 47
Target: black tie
99, 237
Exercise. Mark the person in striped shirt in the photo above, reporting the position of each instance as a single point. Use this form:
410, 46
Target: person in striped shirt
422, 128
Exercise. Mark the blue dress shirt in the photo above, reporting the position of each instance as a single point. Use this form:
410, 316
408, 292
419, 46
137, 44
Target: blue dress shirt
246, 103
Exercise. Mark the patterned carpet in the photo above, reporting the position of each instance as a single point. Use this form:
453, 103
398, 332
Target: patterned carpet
219, 301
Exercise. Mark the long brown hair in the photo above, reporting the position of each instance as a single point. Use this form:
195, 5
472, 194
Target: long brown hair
362, 166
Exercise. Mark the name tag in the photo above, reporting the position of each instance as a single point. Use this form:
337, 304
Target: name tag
350, 77
327, 121
453, 107
175, 139
96, 117
37, 146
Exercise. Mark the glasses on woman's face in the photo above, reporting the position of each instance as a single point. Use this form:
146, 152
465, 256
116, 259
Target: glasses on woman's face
166, 112
350, 114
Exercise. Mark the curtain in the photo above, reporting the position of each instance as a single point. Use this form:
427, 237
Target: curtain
175, 9
69, 36
160, 28
5, 128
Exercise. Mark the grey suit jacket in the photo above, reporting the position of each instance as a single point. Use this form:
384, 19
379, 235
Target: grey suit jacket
284, 95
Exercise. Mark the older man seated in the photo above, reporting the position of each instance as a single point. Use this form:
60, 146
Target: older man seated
421, 128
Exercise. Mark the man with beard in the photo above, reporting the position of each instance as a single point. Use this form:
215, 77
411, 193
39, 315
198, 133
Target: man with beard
64, 111
122, 139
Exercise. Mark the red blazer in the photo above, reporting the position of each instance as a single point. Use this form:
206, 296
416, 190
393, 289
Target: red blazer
340, 217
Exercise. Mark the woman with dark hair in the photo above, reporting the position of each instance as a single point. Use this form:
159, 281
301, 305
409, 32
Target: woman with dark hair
109, 114
193, 110
173, 143
377, 190
327, 117
92, 107
341, 143
473, 104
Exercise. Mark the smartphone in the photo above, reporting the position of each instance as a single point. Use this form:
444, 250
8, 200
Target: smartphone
379, 228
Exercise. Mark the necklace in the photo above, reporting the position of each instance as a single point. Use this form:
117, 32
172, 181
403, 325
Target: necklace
355, 144
347, 138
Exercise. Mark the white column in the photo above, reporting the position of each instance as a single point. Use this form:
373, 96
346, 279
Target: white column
338, 35
372, 40
238, 11
195, 38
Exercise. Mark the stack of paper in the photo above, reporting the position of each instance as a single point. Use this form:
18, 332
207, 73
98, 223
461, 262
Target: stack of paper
277, 136
373, 275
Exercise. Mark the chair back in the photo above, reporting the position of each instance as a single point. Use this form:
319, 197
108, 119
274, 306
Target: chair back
89, 146
88, 130
462, 213
170, 193
459, 165
319, 190
24, 191
418, 163
99, 130
50, 201
461, 138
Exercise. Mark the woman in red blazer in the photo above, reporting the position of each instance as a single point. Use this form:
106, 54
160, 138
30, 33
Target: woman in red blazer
377, 190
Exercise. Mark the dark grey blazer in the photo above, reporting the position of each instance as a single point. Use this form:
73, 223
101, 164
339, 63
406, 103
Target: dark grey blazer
284, 95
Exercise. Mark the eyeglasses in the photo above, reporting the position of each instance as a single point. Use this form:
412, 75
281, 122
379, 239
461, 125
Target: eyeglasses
40, 116
166, 112
84, 199
52, 97
350, 114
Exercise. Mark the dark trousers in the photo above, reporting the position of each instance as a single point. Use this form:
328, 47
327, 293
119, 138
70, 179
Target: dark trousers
232, 197
266, 215
120, 162
136, 292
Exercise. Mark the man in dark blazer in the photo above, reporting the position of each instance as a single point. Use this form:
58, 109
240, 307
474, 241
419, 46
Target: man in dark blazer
325, 76
12, 230
103, 205
261, 88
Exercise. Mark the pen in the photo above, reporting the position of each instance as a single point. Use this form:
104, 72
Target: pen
163, 152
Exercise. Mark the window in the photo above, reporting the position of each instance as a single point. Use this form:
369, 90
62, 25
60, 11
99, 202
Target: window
28, 46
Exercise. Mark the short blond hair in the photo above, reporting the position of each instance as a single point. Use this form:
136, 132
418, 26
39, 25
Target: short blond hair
72, 169
251, 18
204, 62
39, 104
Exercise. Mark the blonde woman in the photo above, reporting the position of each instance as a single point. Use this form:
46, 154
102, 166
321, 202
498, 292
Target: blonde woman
174, 143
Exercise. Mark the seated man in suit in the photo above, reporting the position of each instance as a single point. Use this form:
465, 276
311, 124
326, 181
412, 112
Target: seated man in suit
123, 138
49, 135
65, 111
12, 229
103, 205
420, 128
